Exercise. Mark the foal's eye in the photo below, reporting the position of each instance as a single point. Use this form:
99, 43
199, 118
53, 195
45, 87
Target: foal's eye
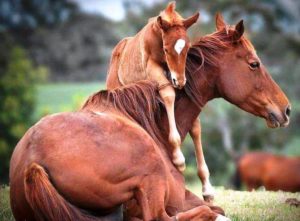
166, 50
254, 65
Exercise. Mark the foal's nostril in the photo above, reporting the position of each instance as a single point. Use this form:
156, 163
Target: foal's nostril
174, 81
288, 111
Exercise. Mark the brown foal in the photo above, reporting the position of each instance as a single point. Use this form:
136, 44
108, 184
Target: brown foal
160, 47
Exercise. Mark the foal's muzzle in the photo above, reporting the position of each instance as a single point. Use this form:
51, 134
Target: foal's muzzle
177, 83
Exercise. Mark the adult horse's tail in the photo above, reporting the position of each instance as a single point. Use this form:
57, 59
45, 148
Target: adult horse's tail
48, 204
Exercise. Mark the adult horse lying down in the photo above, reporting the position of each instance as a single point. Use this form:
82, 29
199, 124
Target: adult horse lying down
224, 64
101, 157
274, 172
160, 46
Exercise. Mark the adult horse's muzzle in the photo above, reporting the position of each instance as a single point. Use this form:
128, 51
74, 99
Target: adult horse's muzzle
277, 119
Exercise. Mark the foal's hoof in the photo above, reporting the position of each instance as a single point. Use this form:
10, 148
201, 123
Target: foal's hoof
181, 167
222, 218
208, 198
208, 193
179, 160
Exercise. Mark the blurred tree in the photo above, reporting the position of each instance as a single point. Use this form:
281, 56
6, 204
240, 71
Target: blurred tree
17, 99
24, 15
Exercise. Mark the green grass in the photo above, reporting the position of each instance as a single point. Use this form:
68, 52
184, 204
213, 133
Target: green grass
59, 97
254, 206
238, 205
5, 211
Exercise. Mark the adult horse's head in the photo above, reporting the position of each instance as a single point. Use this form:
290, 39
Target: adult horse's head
175, 42
240, 77
254, 89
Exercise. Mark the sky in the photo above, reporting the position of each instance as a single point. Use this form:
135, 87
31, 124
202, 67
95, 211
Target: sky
113, 9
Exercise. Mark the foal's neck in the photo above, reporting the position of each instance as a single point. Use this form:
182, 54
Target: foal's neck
153, 42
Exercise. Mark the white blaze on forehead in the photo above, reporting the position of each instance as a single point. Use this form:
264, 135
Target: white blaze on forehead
180, 43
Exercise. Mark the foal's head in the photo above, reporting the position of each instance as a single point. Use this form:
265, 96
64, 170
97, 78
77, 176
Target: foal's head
245, 81
175, 42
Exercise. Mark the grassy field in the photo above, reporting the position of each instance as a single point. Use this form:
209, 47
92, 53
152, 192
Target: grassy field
5, 211
255, 206
58, 97
238, 205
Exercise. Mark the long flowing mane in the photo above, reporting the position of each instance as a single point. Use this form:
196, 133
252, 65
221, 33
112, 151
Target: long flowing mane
204, 55
139, 102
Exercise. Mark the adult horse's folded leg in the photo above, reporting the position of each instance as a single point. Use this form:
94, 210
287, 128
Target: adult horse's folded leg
151, 196
203, 213
203, 172
168, 95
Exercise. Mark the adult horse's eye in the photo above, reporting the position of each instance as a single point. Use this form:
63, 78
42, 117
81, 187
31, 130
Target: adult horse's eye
254, 65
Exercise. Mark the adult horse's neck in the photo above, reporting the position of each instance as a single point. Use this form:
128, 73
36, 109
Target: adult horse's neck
200, 88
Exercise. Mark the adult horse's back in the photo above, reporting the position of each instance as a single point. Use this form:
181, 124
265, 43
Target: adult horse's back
274, 172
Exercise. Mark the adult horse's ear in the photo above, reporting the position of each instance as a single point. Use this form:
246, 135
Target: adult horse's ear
191, 20
239, 31
163, 24
220, 23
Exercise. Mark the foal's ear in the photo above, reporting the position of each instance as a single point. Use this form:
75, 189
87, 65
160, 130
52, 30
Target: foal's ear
163, 24
239, 31
170, 7
220, 23
190, 20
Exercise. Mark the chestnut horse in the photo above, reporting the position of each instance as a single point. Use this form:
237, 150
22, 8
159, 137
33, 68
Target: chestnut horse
274, 172
244, 81
160, 46
100, 157
84, 165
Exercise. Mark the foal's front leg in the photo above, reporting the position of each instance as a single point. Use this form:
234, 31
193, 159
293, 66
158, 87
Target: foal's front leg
203, 172
168, 96
167, 93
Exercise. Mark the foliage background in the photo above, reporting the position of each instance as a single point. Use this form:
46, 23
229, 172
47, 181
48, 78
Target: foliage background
55, 53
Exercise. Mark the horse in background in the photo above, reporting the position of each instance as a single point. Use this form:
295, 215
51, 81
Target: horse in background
159, 48
274, 172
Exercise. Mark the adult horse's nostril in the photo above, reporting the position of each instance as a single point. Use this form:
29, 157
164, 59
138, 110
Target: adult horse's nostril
288, 110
